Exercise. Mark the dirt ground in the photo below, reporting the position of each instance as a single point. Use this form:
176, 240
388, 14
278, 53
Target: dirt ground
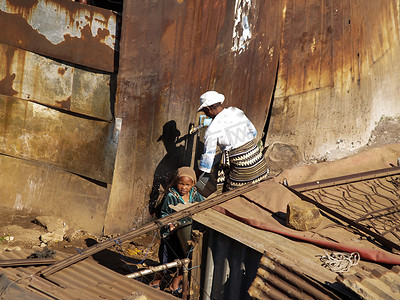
18, 231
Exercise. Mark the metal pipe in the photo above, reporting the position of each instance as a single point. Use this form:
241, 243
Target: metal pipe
151, 270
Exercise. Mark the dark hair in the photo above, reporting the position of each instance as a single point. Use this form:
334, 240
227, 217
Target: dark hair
212, 106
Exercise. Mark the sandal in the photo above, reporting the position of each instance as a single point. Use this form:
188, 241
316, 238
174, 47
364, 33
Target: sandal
177, 292
155, 286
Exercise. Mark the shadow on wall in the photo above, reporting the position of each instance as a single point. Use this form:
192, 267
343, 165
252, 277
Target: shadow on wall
177, 156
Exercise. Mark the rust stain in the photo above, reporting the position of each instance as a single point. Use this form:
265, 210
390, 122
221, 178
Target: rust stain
61, 71
7, 82
66, 104
102, 33
22, 3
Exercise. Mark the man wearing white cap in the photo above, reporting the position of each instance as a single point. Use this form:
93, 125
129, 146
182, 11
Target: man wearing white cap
235, 135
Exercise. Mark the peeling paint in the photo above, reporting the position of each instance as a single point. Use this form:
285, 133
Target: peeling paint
65, 30
313, 46
271, 53
242, 29
56, 23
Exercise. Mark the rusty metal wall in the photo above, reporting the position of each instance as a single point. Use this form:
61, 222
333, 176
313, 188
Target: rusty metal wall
66, 30
171, 52
58, 135
32, 77
35, 132
32, 187
337, 77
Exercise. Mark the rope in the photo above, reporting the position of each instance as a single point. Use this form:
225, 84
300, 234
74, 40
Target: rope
340, 262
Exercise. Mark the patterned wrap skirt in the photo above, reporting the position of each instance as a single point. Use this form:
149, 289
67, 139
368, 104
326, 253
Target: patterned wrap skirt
241, 166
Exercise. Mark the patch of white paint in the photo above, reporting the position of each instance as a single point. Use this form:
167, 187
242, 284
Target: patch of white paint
242, 27
313, 46
271, 53
18, 203
55, 23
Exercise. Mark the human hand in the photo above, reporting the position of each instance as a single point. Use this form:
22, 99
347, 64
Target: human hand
171, 227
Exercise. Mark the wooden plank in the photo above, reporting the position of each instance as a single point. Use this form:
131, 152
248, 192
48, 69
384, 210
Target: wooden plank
27, 262
195, 272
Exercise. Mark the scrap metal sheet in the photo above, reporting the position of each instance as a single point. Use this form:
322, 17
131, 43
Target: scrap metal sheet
35, 132
167, 60
373, 203
33, 77
66, 30
86, 279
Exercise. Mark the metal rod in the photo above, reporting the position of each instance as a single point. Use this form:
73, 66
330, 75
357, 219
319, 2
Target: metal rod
151, 270
345, 179
187, 212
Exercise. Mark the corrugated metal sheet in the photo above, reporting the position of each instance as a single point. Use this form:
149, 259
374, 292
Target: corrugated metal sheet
33, 77
278, 281
168, 59
336, 74
379, 284
79, 145
370, 200
66, 30
300, 256
84, 280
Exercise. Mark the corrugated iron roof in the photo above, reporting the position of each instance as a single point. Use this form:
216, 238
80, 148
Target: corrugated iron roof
302, 257
86, 279
377, 284
280, 281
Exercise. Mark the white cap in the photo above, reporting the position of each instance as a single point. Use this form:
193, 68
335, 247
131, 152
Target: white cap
209, 98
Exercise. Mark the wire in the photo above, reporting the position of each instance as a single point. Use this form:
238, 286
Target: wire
340, 262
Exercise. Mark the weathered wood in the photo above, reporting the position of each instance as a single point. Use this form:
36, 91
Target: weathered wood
27, 262
195, 272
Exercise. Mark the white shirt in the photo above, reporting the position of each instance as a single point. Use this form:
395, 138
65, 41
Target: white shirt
230, 129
